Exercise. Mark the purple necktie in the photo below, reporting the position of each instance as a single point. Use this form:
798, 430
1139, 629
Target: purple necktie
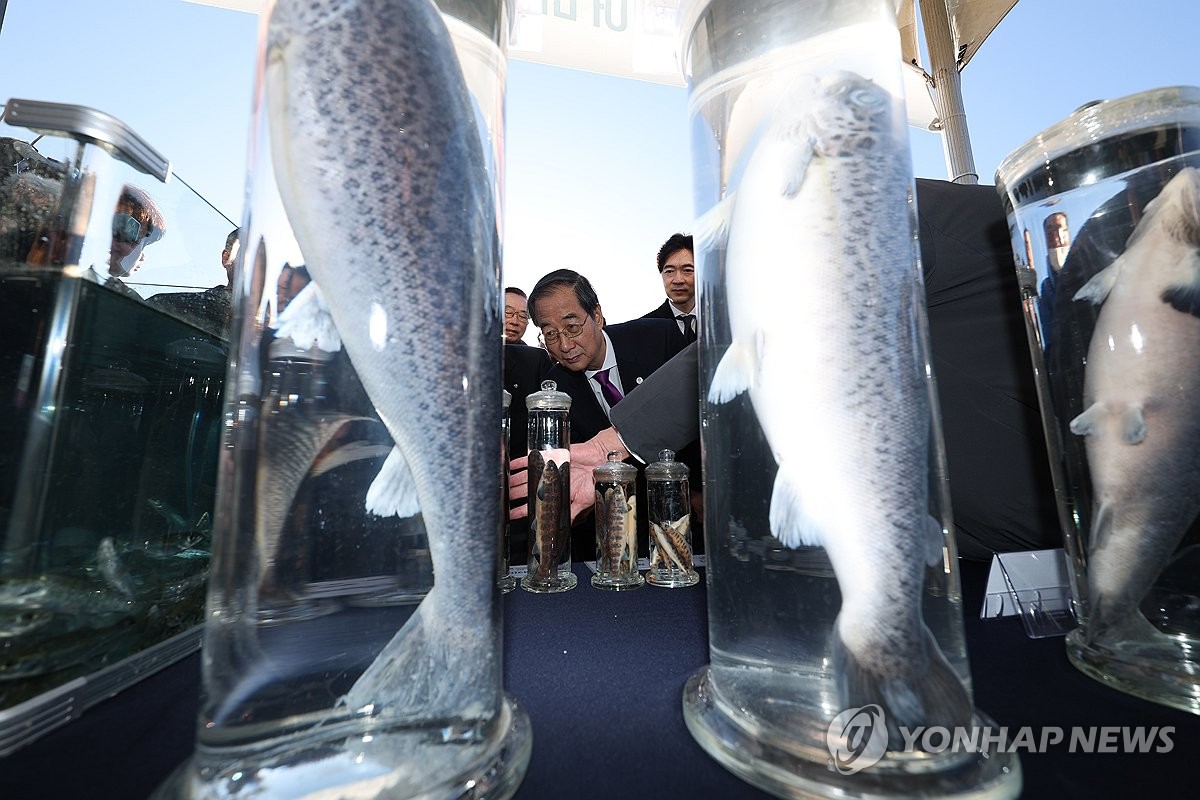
611, 393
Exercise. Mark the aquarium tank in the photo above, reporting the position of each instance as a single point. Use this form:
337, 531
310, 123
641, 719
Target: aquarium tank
115, 306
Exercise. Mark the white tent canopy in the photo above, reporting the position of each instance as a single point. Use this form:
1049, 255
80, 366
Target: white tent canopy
638, 39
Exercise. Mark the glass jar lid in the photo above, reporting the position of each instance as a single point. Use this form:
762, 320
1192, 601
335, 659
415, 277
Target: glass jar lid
666, 468
614, 470
548, 398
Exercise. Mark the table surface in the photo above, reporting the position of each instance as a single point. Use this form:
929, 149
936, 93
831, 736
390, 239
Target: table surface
601, 676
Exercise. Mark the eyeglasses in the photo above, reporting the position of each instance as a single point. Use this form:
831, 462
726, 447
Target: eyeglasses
521, 315
127, 229
570, 332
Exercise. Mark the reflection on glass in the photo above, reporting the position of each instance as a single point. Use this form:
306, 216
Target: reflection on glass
109, 426
1116, 339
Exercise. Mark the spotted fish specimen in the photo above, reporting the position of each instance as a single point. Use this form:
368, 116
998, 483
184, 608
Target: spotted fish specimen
550, 529
616, 530
380, 167
1140, 390
669, 544
838, 384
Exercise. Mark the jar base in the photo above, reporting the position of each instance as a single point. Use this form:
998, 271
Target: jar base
372, 764
622, 584
561, 582
801, 766
672, 579
1156, 672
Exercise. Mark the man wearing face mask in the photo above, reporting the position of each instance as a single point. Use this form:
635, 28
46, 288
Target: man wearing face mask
136, 224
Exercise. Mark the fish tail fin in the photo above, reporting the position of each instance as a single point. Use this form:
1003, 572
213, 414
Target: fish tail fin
790, 524
926, 694
711, 229
734, 373
307, 320
394, 491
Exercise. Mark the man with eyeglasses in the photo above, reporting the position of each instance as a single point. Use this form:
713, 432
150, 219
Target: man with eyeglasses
597, 365
516, 315
677, 268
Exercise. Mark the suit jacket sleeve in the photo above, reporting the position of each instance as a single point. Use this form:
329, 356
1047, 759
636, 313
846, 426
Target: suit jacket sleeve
665, 410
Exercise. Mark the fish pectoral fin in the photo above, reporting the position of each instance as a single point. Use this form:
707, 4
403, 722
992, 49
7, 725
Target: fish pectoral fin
394, 491
1096, 290
790, 524
307, 321
734, 374
1133, 425
1088, 422
1185, 295
711, 229
796, 168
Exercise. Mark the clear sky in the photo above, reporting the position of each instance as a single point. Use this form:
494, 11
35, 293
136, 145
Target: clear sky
598, 168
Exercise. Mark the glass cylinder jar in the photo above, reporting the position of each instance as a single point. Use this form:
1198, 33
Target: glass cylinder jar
670, 513
835, 620
616, 525
387, 443
1104, 209
549, 566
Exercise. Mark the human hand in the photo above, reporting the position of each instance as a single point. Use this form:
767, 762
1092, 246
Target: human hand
584, 458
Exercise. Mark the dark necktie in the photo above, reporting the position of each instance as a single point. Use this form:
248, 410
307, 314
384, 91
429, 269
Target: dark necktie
612, 394
689, 326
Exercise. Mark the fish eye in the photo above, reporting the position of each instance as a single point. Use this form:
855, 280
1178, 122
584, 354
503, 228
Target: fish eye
865, 97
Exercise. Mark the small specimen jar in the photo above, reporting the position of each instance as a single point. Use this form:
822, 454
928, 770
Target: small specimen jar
549, 491
669, 507
616, 526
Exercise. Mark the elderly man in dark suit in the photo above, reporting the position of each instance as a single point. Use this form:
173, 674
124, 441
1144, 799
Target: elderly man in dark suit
676, 267
597, 365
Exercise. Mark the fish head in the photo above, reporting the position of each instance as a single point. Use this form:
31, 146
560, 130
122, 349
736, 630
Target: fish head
848, 114
1179, 206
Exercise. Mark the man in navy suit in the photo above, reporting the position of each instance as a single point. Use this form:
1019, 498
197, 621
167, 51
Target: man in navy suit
597, 365
676, 267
